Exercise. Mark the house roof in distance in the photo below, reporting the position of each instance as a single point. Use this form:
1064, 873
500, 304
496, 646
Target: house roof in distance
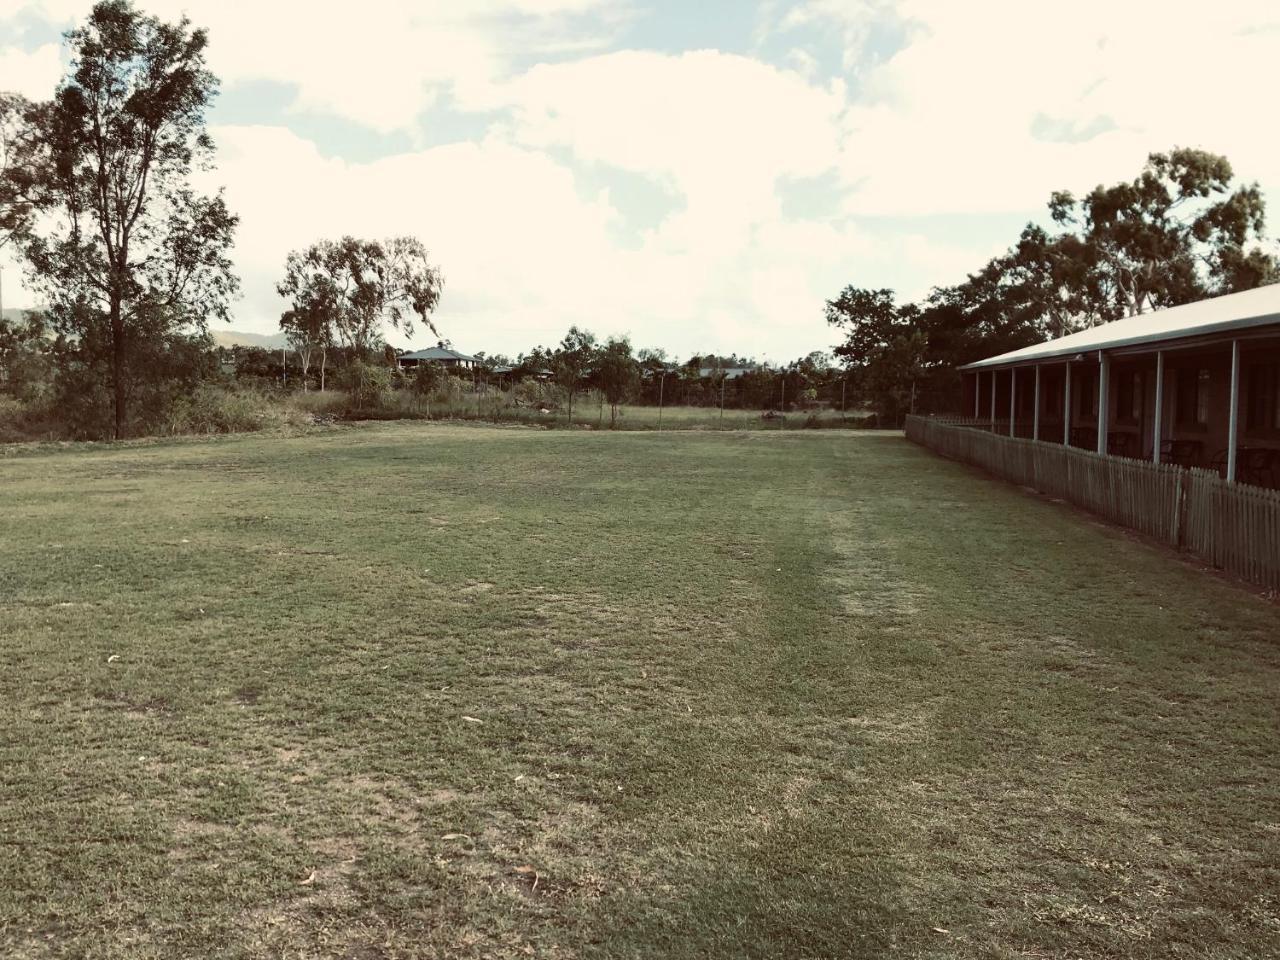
438, 352
1234, 311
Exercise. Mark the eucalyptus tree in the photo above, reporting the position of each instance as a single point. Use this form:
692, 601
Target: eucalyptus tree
355, 289
571, 361
127, 254
618, 373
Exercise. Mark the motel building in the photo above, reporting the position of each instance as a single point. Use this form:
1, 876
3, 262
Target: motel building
1196, 385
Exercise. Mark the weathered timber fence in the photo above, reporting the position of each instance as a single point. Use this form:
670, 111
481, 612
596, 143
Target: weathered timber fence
1233, 526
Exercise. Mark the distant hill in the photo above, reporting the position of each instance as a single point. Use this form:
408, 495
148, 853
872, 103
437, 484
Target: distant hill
238, 338
223, 338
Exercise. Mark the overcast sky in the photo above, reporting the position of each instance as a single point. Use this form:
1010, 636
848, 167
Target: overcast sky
699, 174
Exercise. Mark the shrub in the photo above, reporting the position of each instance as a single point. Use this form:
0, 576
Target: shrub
368, 386
212, 409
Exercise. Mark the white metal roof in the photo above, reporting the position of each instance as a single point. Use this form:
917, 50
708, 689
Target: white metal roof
1234, 311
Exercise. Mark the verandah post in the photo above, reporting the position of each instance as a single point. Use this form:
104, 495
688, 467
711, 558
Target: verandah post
1158, 426
1066, 405
993, 401
1104, 374
1233, 420
1035, 416
1013, 400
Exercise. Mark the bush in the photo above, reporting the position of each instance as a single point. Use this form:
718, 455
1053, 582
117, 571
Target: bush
368, 386
22, 420
213, 409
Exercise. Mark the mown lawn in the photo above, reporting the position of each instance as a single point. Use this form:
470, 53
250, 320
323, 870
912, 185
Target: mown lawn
413, 690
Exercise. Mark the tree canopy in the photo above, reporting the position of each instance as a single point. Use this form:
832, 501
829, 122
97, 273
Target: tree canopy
348, 291
1179, 232
127, 255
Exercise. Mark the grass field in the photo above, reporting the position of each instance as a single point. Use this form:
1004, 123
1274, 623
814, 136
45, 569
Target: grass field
427, 690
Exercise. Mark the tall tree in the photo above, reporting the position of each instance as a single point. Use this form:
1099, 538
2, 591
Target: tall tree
127, 254
1178, 232
308, 330
571, 360
618, 373
362, 286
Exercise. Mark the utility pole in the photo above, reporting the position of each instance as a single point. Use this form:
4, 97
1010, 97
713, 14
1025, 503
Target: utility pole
662, 384
723, 378
782, 422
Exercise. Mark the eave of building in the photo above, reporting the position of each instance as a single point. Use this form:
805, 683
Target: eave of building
1235, 315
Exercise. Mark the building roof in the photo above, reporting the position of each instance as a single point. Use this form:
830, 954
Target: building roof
436, 353
729, 373
1234, 311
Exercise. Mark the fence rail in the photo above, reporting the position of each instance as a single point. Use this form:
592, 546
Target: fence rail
1233, 526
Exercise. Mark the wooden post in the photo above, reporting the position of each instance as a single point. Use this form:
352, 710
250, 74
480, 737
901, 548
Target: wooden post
1157, 428
662, 383
993, 401
1066, 404
1104, 391
1035, 416
722, 380
1233, 420
1013, 400
977, 394
844, 384
782, 417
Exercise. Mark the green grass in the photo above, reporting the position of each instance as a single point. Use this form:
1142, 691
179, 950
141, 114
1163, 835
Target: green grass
808, 694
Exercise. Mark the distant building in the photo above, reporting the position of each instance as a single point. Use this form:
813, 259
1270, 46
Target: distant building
441, 354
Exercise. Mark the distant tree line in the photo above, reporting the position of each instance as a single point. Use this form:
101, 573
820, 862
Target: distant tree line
1179, 232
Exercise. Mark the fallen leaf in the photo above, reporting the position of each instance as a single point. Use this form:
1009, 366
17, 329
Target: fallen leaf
113, 658
519, 778
455, 836
940, 930
309, 881
472, 720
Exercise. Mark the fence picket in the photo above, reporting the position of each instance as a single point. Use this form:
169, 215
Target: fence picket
1236, 527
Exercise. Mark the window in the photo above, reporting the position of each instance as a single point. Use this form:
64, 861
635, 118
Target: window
1262, 397
1192, 400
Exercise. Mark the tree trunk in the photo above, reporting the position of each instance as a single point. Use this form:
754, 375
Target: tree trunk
323, 358
117, 366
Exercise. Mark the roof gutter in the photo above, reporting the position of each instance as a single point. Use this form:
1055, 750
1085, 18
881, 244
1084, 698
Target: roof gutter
1194, 334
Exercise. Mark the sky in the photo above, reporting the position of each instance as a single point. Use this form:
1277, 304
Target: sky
700, 176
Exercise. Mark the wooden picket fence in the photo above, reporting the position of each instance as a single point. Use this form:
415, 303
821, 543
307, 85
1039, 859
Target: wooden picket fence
1236, 527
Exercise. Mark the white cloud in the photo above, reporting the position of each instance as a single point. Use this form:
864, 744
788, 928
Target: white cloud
947, 124
33, 74
719, 129
524, 254
381, 64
